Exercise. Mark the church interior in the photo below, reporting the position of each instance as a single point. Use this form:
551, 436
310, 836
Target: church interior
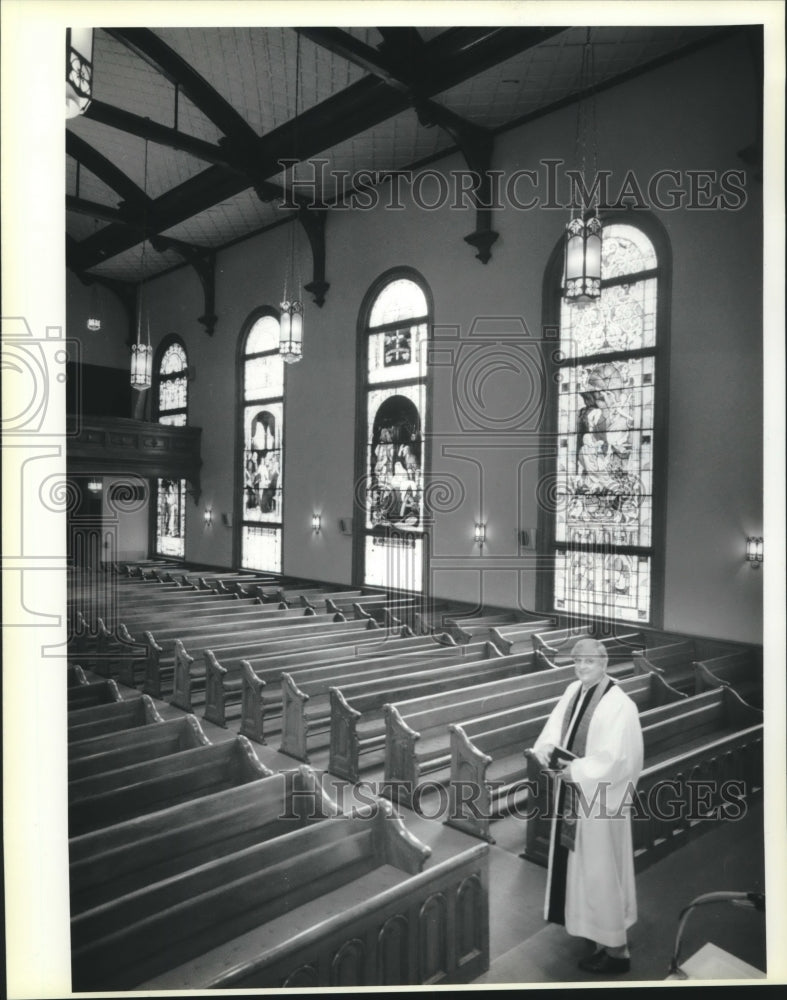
400, 359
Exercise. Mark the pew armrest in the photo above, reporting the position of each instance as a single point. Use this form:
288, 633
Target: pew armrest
396, 844
252, 765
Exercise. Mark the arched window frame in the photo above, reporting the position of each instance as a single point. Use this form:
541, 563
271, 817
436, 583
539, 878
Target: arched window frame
651, 228
241, 403
170, 495
363, 385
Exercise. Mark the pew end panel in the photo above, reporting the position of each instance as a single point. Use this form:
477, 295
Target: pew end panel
252, 706
489, 775
75, 676
294, 722
542, 801
181, 690
468, 772
215, 678
343, 753
400, 741
153, 654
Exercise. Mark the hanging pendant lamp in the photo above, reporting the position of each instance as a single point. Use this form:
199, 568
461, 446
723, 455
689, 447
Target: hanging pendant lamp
582, 258
142, 353
291, 319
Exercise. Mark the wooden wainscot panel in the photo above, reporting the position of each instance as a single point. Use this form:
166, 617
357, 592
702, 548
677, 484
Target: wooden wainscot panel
348, 965
394, 951
305, 976
433, 940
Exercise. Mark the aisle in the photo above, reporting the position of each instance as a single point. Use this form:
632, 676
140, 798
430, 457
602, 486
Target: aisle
726, 857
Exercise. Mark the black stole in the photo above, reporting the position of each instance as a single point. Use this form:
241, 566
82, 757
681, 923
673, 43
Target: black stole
576, 741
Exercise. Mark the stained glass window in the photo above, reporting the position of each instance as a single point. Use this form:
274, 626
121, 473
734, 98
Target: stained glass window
172, 411
394, 341
606, 385
263, 447
171, 518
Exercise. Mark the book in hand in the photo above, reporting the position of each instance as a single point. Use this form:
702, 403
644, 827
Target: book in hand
559, 757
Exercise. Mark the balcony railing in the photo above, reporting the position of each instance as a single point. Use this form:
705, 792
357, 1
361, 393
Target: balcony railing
118, 446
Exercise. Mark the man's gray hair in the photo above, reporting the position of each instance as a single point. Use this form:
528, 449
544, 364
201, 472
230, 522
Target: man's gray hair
595, 648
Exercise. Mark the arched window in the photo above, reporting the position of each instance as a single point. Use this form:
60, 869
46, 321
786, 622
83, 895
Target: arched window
394, 332
262, 436
605, 530
172, 409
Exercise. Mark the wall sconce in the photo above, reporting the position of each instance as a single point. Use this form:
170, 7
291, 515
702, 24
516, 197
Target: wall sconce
208, 517
316, 523
754, 551
95, 485
479, 533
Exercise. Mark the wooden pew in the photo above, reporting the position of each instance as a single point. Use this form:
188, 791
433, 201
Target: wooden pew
318, 601
208, 610
307, 693
359, 712
293, 595
125, 857
263, 664
620, 653
436, 615
741, 671
160, 649
109, 628
110, 797
191, 671
511, 634
292, 907
711, 764
417, 734
92, 693
673, 660
130, 746
556, 645
713, 737
75, 676
97, 720
226, 695
347, 605
127, 653
487, 769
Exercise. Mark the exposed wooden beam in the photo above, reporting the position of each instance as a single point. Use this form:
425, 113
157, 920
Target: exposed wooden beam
155, 51
144, 128
450, 58
346, 46
107, 172
95, 210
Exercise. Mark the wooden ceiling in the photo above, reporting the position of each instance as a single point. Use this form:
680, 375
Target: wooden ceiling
213, 111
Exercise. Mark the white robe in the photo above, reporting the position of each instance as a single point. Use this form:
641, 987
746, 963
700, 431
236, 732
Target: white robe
600, 892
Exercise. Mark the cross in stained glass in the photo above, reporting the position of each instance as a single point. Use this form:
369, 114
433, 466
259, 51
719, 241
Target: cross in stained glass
398, 350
